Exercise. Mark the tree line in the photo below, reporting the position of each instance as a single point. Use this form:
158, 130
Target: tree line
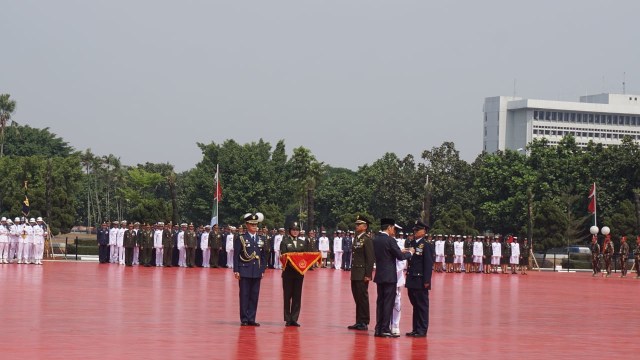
540, 192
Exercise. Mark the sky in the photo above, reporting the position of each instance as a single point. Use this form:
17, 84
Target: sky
351, 80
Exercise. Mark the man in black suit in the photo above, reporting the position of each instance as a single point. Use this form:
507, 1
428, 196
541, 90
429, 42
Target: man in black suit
418, 281
386, 251
249, 264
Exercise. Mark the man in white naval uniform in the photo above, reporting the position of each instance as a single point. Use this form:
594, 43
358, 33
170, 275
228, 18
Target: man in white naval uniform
157, 243
182, 252
323, 247
4, 241
229, 246
477, 254
514, 260
120, 241
401, 266
458, 254
496, 250
113, 242
439, 249
39, 233
277, 240
28, 244
136, 248
16, 232
337, 250
13, 240
204, 245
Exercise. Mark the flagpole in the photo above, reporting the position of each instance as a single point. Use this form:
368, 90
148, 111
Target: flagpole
595, 205
218, 195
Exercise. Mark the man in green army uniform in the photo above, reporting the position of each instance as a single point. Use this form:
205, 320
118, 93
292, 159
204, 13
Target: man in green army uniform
167, 244
313, 245
506, 254
362, 262
129, 242
636, 253
215, 243
291, 279
190, 243
146, 244
624, 255
524, 256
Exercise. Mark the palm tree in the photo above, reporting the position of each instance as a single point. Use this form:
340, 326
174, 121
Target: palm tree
7, 107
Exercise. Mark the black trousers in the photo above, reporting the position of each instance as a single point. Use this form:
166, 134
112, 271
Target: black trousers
249, 293
384, 306
103, 253
128, 256
360, 292
292, 291
346, 260
166, 256
190, 257
419, 299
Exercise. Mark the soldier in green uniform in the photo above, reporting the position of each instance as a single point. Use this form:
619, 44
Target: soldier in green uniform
448, 253
215, 243
291, 279
167, 244
607, 252
146, 244
468, 254
129, 242
486, 255
595, 255
636, 253
190, 243
312, 242
624, 255
525, 250
362, 262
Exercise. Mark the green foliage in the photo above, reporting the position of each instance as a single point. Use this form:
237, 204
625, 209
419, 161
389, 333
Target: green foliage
28, 141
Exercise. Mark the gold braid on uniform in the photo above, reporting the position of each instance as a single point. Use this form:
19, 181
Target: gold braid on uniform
244, 256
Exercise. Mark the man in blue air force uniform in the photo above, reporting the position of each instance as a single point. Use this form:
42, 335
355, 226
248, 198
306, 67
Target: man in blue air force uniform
418, 280
249, 263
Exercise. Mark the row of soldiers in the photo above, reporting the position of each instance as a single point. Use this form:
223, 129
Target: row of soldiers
22, 241
601, 256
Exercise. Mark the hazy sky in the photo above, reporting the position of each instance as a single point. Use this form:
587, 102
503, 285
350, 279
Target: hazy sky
350, 80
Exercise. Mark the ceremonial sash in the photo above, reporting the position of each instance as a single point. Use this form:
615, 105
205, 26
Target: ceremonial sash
301, 261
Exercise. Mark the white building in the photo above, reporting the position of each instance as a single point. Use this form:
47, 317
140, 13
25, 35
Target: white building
512, 122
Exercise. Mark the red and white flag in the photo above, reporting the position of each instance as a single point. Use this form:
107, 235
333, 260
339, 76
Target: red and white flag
592, 201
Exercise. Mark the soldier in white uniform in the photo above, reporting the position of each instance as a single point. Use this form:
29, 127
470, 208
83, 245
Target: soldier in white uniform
229, 246
157, 244
4, 240
514, 260
439, 249
323, 247
496, 249
204, 245
477, 254
136, 248
182, 251
120, 241
113, 242
401, 266
39, 233
458, 254
16, 232
13, 240
28, 244
337, 250
277, 240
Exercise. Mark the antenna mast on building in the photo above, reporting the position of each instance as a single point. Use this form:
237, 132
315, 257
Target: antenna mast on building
624, 85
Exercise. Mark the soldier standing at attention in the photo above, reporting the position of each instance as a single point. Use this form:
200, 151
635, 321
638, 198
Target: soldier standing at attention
323, 246
624, 255
205, 245
136, 248
249, 264
145, 239
636, 253
291, 279
129, 242
215, 241
595, 255
449, 252
487, 250
468, 254
607, 251
362, 269
347, 243
167, 245
478, 254
312, 242
158, 245
524, 257
190, 243
418, 281
103, 243
337, 250
458, 254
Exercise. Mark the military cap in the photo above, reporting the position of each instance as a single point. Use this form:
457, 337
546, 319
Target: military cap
362, 220
253, 218
207, 226
294, 226
183, 224
3, 219
418, 225
17, 219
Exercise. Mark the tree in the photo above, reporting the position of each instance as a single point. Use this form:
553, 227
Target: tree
7, 107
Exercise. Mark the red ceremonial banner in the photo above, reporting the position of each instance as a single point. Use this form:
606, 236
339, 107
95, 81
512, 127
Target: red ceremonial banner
301, 261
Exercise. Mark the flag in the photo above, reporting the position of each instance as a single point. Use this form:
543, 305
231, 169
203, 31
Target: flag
26, 208
217, 196
592, 201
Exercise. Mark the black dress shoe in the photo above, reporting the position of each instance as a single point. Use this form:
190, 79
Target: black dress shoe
413, 332
353, 327
362, 327
253, 323
386, 335
287, 323
418, 335
244, 323
294, 323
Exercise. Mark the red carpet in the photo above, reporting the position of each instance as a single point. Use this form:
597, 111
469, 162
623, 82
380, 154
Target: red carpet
70, 310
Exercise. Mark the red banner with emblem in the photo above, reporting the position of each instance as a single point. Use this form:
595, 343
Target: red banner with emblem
301, 261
